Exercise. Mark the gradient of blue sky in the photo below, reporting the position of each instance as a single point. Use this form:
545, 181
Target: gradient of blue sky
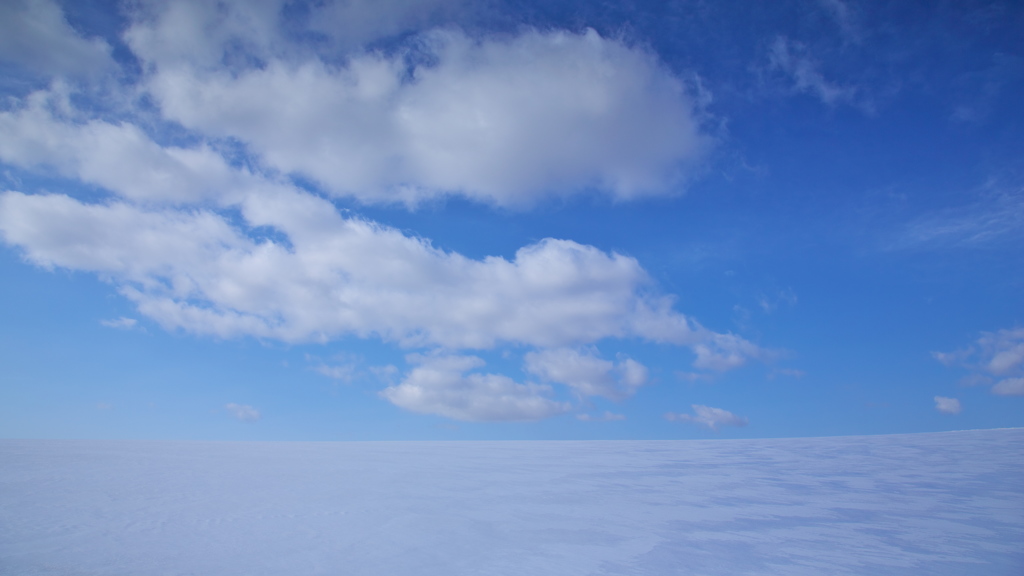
288, 220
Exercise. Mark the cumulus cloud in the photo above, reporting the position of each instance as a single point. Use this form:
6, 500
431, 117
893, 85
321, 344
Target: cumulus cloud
504, 121
947, 405
243, 412
709, 417
44, 133
35, 35
587, 374
194, 270
441, 385
227, 245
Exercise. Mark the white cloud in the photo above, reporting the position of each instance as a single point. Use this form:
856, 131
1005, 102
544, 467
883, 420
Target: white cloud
342, 366
587, 374
192, 269
1009, 387
947, 405
998, 354
606, 417
239, 33
202, 245
503, 121
709, 417
243, 412
122, 322
343, 372
772, 303
35, 35
791, 372
844, 17
791, 58
722, 352
440, 385
997, 216
44, 133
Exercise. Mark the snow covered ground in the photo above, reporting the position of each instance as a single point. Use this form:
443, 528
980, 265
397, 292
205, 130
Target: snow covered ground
935, 504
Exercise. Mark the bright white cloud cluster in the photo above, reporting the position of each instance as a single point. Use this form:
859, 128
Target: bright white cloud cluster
994, 357
192, 269
201, 244
504, 121
709, 417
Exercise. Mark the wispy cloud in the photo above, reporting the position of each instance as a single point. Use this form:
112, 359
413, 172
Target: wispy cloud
771, 302
243, 412
606, 417
845, 17
122, 323
793, 59
994, 217
342, 367
1009, 387
709, 417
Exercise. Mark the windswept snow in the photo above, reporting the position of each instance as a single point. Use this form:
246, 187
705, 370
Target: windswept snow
931, 504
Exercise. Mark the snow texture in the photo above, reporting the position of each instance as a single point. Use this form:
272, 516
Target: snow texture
936, 504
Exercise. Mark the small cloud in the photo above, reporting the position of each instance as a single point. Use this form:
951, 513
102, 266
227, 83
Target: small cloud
343, 372
995, 355
586, 373
447, 385
1009, 387
606, 417
243, 412
387, 374
792, 59
951, 358
709, 417
772, 303
344, 368
694, 377
845, 18
120, 323
791, 372
947, 405
104, 406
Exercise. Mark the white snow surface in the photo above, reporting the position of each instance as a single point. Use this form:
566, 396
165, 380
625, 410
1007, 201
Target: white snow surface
936, 504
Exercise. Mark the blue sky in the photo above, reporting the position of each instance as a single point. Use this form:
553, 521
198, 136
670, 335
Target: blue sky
510, 220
